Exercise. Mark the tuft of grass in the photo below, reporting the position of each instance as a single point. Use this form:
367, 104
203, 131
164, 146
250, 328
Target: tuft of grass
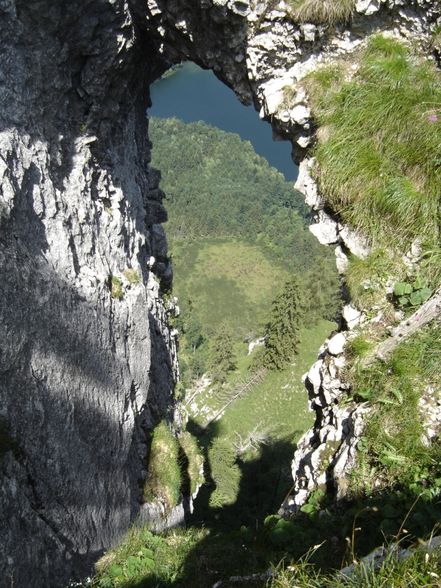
367, 278
116, 288
329, 12
420, 570
358, 347
393, 443
380, 160
164, 475
195, 459
132, 276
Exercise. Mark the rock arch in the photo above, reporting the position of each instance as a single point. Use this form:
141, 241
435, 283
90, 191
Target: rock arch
84, 367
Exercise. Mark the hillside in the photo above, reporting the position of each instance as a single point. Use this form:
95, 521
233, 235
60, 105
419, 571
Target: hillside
217, 186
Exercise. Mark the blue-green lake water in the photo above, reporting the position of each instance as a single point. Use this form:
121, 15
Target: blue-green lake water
193, 94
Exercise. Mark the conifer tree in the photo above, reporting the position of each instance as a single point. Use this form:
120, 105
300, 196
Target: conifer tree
323, 287
282, 330
223, 355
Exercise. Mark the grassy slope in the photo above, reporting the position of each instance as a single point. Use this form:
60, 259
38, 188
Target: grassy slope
279, 401
379, 151
227, 281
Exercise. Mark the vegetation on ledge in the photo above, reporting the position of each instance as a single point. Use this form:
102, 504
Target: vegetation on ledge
193, 460
164, 475
328, 12
378, 151
394, 449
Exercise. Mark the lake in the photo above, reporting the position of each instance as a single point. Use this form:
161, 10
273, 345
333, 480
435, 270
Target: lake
193, 94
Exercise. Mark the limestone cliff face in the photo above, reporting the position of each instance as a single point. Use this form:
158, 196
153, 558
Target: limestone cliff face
87, 361
83, 372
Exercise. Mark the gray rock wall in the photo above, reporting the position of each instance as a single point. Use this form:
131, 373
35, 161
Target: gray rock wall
83, 374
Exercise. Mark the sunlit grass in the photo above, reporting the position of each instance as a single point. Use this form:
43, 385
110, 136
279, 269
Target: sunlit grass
418, 571
195, 459
380, 159
321, 11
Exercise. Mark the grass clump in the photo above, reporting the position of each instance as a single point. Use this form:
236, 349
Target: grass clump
368, 278
393, 444
419, 571
132, 276
116, 288
194, 460
224, 471
329, 12
164, 476
380, 159
358, 347
143, 557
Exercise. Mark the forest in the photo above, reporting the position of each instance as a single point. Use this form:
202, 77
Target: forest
238, 232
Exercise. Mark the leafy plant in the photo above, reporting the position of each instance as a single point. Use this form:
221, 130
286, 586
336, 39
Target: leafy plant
415, 294
314, 504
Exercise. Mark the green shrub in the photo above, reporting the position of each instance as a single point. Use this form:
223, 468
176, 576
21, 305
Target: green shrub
164, 476
195, 459
116, 288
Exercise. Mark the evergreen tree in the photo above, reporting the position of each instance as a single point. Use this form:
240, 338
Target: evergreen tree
193, 332
282, 330
223, 358
323, 300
